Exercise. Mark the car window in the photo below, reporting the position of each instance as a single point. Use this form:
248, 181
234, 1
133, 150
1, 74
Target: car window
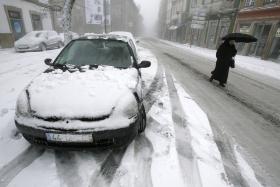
97, 52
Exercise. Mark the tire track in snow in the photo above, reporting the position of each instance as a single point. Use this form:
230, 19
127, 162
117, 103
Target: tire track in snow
149, 95
67, 168
143, 149
105, 175
186, 155
229, 159
13, 168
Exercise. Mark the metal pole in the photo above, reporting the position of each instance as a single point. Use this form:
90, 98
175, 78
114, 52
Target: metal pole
105, 16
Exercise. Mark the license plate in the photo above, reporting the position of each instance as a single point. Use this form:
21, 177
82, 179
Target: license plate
69, 137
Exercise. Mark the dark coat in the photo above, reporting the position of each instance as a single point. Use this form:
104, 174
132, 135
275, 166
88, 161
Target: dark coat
225, 54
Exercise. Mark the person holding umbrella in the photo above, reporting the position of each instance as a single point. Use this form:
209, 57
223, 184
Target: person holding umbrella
225, 56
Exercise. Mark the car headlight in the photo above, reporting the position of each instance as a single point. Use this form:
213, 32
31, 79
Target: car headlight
127, 106
22, 107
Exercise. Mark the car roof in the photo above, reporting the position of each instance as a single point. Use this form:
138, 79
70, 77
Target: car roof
122, 33
106, 37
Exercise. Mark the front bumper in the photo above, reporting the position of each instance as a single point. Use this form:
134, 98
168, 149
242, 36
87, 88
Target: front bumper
28, 49
101, 139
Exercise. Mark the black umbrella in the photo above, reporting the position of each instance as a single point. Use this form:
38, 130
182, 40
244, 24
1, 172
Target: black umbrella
240, 37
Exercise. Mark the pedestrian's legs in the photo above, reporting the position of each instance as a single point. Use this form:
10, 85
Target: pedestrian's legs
222, 84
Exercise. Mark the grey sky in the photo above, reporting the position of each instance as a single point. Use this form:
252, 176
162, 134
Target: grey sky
149, 10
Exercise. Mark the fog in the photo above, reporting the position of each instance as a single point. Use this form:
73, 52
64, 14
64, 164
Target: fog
149, 10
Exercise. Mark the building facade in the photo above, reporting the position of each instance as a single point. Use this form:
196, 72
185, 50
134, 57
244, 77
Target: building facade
122, 15
198, 22
125, 16
260, 18
211, 20
19, 17
175, 17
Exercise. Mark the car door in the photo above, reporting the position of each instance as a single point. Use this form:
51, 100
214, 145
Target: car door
52, 39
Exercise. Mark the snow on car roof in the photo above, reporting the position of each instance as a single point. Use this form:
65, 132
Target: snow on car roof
107, 36
122, 33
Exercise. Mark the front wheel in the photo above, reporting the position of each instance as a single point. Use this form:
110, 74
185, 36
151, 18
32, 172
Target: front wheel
142, 120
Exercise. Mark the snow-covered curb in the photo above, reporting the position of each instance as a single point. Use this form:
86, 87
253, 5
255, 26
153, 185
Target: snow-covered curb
210, 164
265, 67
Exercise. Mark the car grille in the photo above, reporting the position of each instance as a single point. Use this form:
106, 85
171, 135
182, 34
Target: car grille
55, 119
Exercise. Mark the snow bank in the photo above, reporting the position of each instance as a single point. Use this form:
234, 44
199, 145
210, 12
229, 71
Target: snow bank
265, 67
165, 168
246, 171
210, 164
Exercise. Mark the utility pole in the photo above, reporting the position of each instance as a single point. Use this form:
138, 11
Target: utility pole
67, 9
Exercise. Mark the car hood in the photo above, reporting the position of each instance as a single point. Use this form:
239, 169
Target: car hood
28, 41
92, 93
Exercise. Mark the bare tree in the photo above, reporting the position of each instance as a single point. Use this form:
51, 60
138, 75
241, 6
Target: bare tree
66, 20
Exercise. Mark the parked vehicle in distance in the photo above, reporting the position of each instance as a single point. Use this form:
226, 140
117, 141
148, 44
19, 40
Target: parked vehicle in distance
72, 34
38, 41
90, 96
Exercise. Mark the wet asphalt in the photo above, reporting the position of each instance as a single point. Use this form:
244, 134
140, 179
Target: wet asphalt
245, 113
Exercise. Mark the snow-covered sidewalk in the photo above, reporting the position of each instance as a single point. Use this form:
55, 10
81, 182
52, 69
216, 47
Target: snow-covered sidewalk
265, 67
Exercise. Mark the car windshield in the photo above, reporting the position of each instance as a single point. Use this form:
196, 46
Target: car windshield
96, 52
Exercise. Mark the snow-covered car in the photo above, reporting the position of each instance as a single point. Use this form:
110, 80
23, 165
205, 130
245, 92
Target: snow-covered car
38, 41
73, 35
91, 96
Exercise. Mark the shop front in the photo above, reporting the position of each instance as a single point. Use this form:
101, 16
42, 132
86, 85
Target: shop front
264, 24
261, 32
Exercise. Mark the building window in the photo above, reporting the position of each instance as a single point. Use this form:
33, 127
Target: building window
36, 22
265, 2
14, 16
249, 3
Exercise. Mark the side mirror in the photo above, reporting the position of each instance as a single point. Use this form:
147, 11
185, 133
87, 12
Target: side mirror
48, 61
144, 64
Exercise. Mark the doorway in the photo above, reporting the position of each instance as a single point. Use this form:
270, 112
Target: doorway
261, 33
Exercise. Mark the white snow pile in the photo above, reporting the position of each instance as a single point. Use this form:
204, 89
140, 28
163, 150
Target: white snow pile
265, 67
210, 164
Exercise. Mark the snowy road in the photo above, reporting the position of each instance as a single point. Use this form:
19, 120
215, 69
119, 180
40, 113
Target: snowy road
247, 112
177, 149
